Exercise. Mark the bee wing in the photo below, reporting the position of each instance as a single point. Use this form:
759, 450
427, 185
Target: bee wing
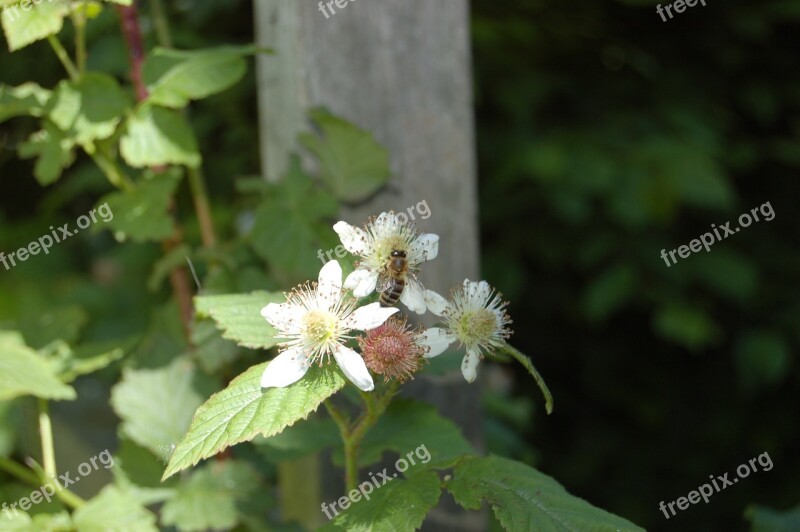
384, 282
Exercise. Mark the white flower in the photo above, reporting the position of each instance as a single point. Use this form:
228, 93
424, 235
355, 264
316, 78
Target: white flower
315, 321
475, 316
374, 245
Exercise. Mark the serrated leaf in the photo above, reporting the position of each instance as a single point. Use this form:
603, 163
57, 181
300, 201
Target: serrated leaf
398, 505
406, 426
156, 136
25, 26
24, 372
239, 316
156, 406
175, 77
54, 149
522, 498
28, 99
243, 410
113, 510
352, 162
90, 108
207, 500
143, 213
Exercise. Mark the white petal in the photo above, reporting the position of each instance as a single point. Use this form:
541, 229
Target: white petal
435, 302
477, 292
285, 369
362, 282
414, 297
437, 340
426, 247
353, 238
469, 366
369, 316
284, 316
354, 368
330, 284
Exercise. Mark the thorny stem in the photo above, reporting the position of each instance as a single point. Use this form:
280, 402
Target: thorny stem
353, 434
63, 56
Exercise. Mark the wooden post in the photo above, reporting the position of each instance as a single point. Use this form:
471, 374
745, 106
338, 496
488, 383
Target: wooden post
402, 70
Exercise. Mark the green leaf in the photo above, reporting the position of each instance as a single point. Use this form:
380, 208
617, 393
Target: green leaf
156, 406
525, 499
239, 316
767, 520
114, 510
686, 326
28, 99
164, 265
54, 149
24, 372
86, 359
353, 164
90, 108
43, 327
175, 77
208, 499
25, 26
21, 522
398, 505
408, 425
211, 350
300, 440
763, 358
293, 225
244, 410
156, 136
143, 213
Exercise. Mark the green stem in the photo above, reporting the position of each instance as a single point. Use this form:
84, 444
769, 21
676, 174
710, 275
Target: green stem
112, 172
19, 471
63, 56
79, 21
353, 435
202, 207
46, 434
525, 361
161, 24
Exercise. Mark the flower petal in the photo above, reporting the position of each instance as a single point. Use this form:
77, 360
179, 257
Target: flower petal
477, 292
413, 296
362, 282
435, 302
369, 316
285, 369
330, 284
285, 317
426, 247
469, 366
354, 368
353, 238
436, 340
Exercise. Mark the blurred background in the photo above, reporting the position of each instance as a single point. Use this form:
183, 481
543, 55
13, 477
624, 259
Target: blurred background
604, 135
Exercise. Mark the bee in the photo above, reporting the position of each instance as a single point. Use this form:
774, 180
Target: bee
393, 278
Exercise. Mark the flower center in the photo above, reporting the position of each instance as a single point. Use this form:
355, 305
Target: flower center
477, 327
320, 327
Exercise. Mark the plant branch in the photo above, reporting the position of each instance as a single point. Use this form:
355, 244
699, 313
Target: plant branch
202, 207
46, 435
63, 56
525, 361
